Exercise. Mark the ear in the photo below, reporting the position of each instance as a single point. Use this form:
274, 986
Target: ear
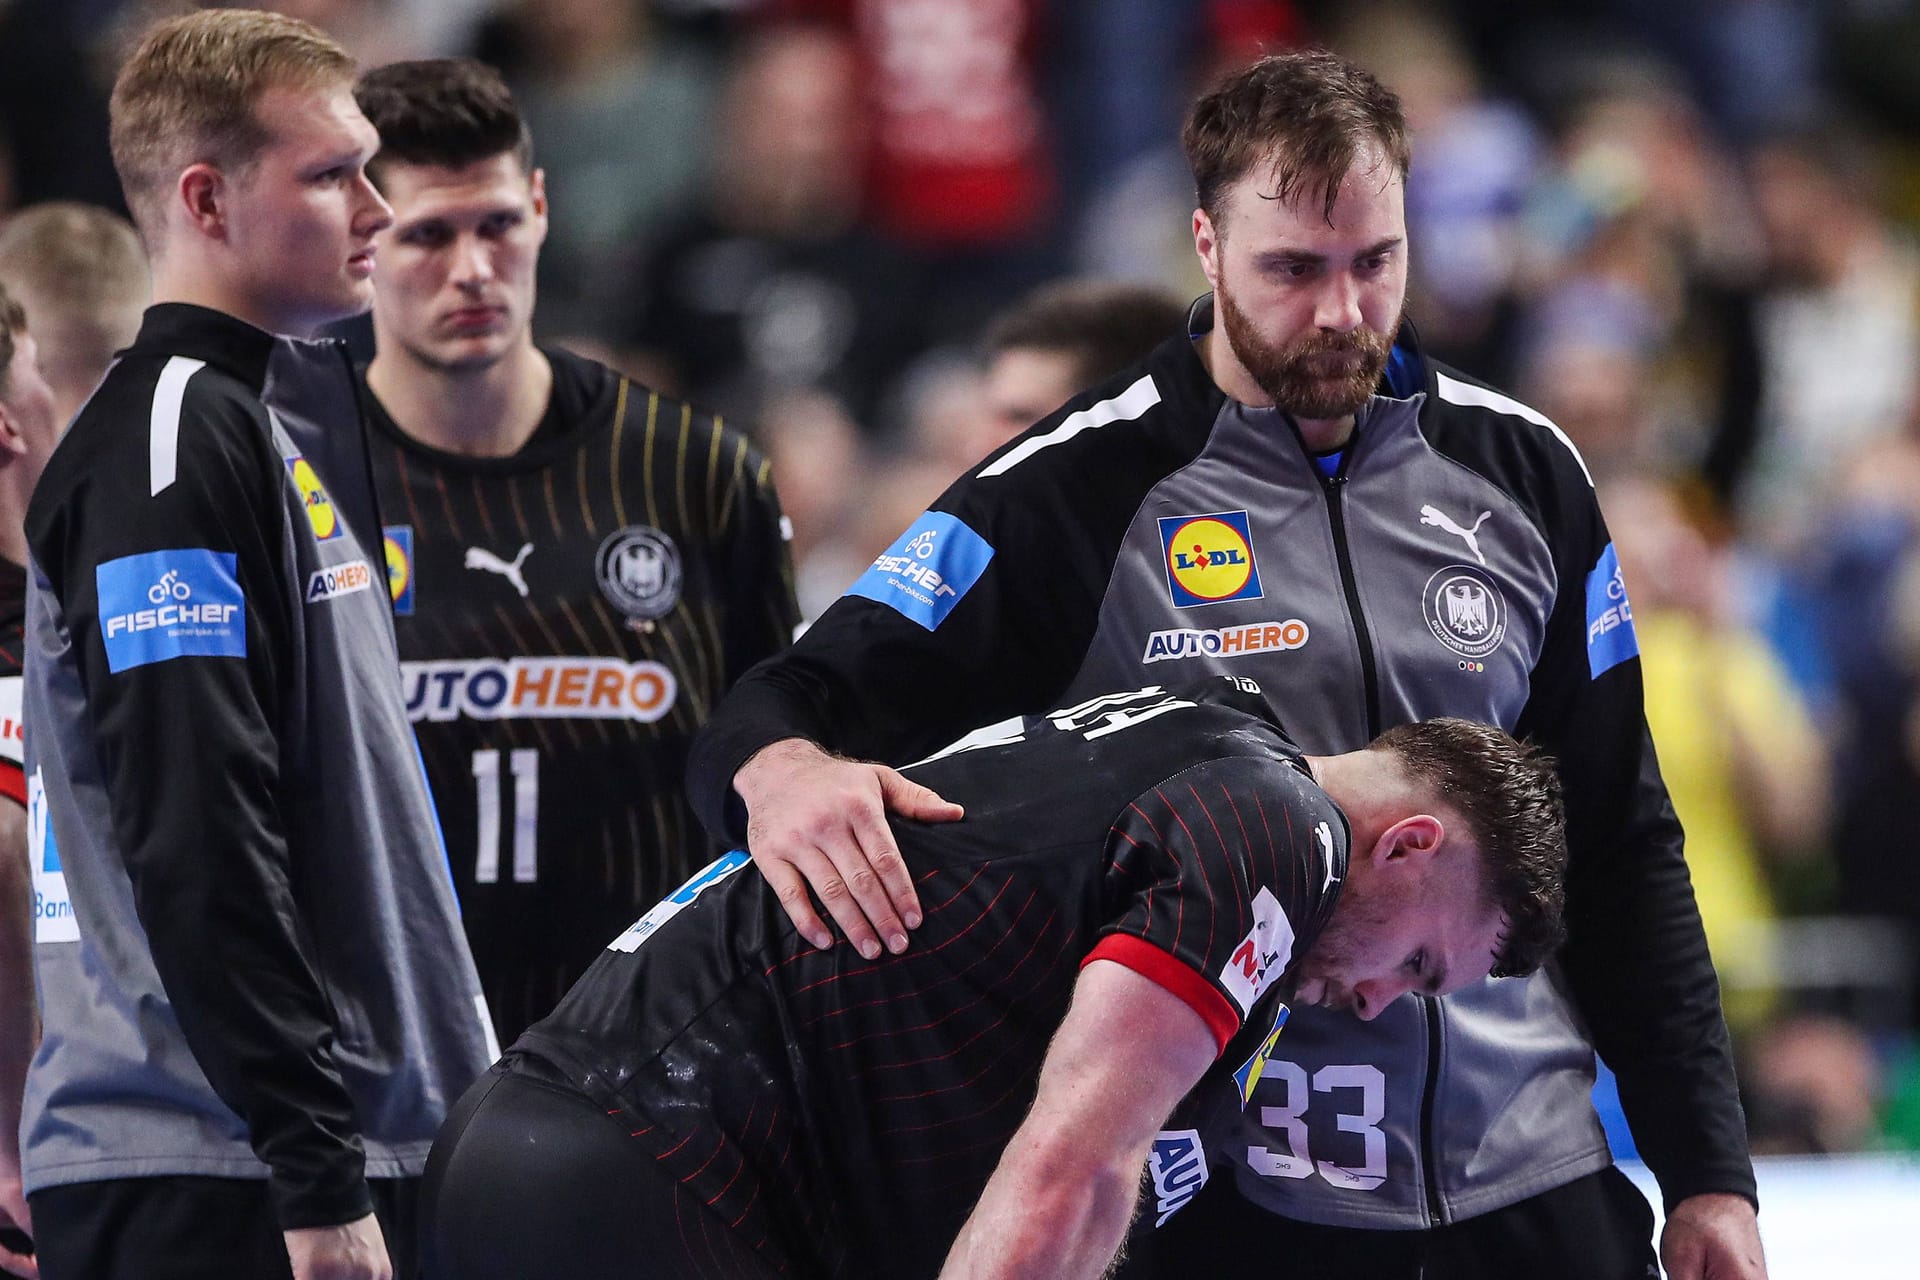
202, 191
12, 443
1206, 243
539, 185
1412, 841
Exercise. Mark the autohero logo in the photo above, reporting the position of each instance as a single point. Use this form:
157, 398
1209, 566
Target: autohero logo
339, 580
538, 689
924, 574
1262, 955
679, 900
1610, 637
1225, 642
313, 496
1209, 558
170, 604
1178, 1163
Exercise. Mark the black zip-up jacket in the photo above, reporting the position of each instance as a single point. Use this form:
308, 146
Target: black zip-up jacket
1455, 563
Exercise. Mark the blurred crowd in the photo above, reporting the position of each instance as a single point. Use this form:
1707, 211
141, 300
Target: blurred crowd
1681, 231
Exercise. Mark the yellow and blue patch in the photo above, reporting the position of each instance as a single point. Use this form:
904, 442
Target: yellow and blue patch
1210, 558
321, 513
398, 541
1247, 1077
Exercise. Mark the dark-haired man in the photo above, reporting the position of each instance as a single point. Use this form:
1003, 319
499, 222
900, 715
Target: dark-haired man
1139, 881
1244, 501
580, 566
256, 997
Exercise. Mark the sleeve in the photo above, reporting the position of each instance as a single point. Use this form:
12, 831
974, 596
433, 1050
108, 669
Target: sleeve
180, 608
13, 778
1210, 870
1636, 956
982, 609
762, 613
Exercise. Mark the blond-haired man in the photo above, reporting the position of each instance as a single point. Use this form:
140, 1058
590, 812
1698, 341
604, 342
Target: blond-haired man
80, 272
256, 996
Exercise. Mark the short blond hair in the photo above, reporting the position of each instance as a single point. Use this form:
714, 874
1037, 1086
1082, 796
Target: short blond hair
187, 96
81, 272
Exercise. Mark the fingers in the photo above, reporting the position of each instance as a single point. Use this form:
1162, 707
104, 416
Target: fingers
911, 800
19, 1264
790, 886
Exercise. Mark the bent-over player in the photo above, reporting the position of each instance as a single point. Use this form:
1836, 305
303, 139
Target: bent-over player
1138, 883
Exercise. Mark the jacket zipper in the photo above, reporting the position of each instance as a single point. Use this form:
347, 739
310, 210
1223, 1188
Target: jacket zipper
1335, 487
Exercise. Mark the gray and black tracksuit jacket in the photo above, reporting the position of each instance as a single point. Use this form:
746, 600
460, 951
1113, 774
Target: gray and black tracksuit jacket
1454, 562
263, 974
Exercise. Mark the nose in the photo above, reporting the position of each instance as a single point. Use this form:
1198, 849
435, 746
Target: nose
1370, 999
375, 214
471, 263
1337, 309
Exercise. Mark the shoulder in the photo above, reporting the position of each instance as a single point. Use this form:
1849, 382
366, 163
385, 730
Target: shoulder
1511, 442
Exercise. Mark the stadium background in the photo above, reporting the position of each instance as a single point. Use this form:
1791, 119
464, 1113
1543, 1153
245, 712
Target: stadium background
1683, 231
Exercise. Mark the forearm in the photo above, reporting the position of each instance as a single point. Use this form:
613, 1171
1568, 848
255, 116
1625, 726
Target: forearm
1046, 1214
19, 1024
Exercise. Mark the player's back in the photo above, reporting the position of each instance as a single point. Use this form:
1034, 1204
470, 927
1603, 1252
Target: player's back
850, 1111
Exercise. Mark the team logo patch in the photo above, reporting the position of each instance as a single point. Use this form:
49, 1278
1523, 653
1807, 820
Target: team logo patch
1610, 637
1465, 610
927, 570
53, 918
1249, 1072
1209, 558
1225, 642
538, 689
170, 604
1262, 955
313, 496
1178, 1163
639, 572
679, 900
339, 580
397, 540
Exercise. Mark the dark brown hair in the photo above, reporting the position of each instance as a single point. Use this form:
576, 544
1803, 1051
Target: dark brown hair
1509, 796
1307, 114
1103, 326
446, 112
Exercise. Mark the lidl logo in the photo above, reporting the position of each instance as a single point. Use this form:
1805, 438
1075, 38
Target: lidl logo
399, 548
1210, 558
313, 496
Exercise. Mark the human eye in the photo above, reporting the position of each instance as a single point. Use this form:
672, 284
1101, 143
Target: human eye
426, 235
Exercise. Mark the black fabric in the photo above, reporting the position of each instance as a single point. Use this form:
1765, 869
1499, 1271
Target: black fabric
529, 1181
1220, 1234
181, 1228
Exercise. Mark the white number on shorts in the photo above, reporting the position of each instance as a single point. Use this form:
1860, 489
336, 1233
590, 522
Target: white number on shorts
1287, 1121
525, 764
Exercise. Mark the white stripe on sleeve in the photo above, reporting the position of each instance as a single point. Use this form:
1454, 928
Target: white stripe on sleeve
163, 428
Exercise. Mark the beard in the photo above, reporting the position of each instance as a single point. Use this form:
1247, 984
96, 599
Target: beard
1324, 375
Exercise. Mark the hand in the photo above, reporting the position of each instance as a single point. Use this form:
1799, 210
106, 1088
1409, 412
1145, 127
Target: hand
351, 1251
14, 1214
815, 820
1712, 1237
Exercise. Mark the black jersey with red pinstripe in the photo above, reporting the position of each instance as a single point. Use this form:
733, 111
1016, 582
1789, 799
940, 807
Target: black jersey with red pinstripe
567, 617
13, 619
843, 1115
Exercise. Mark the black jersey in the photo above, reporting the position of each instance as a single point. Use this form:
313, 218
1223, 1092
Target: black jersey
13, 618
850, 1111
567, 618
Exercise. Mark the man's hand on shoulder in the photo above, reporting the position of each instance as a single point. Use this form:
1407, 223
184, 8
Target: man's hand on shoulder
351, 1251
817, 821
1712, 1237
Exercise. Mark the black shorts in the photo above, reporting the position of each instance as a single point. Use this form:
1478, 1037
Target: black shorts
530, 1180
188, 1228
1594, 1228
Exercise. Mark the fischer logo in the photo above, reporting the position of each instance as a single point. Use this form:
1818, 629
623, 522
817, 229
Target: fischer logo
339, 580
538, 688
911, 565
1225, 642
170, 594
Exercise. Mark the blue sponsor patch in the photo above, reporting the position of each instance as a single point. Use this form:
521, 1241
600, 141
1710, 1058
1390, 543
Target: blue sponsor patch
926, 572
1610, 638
171, 604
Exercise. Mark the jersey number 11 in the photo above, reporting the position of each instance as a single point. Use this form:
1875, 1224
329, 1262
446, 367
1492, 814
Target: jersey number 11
525, 764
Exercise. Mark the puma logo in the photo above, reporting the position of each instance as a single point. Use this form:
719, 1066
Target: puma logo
1441, 520
481, 558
